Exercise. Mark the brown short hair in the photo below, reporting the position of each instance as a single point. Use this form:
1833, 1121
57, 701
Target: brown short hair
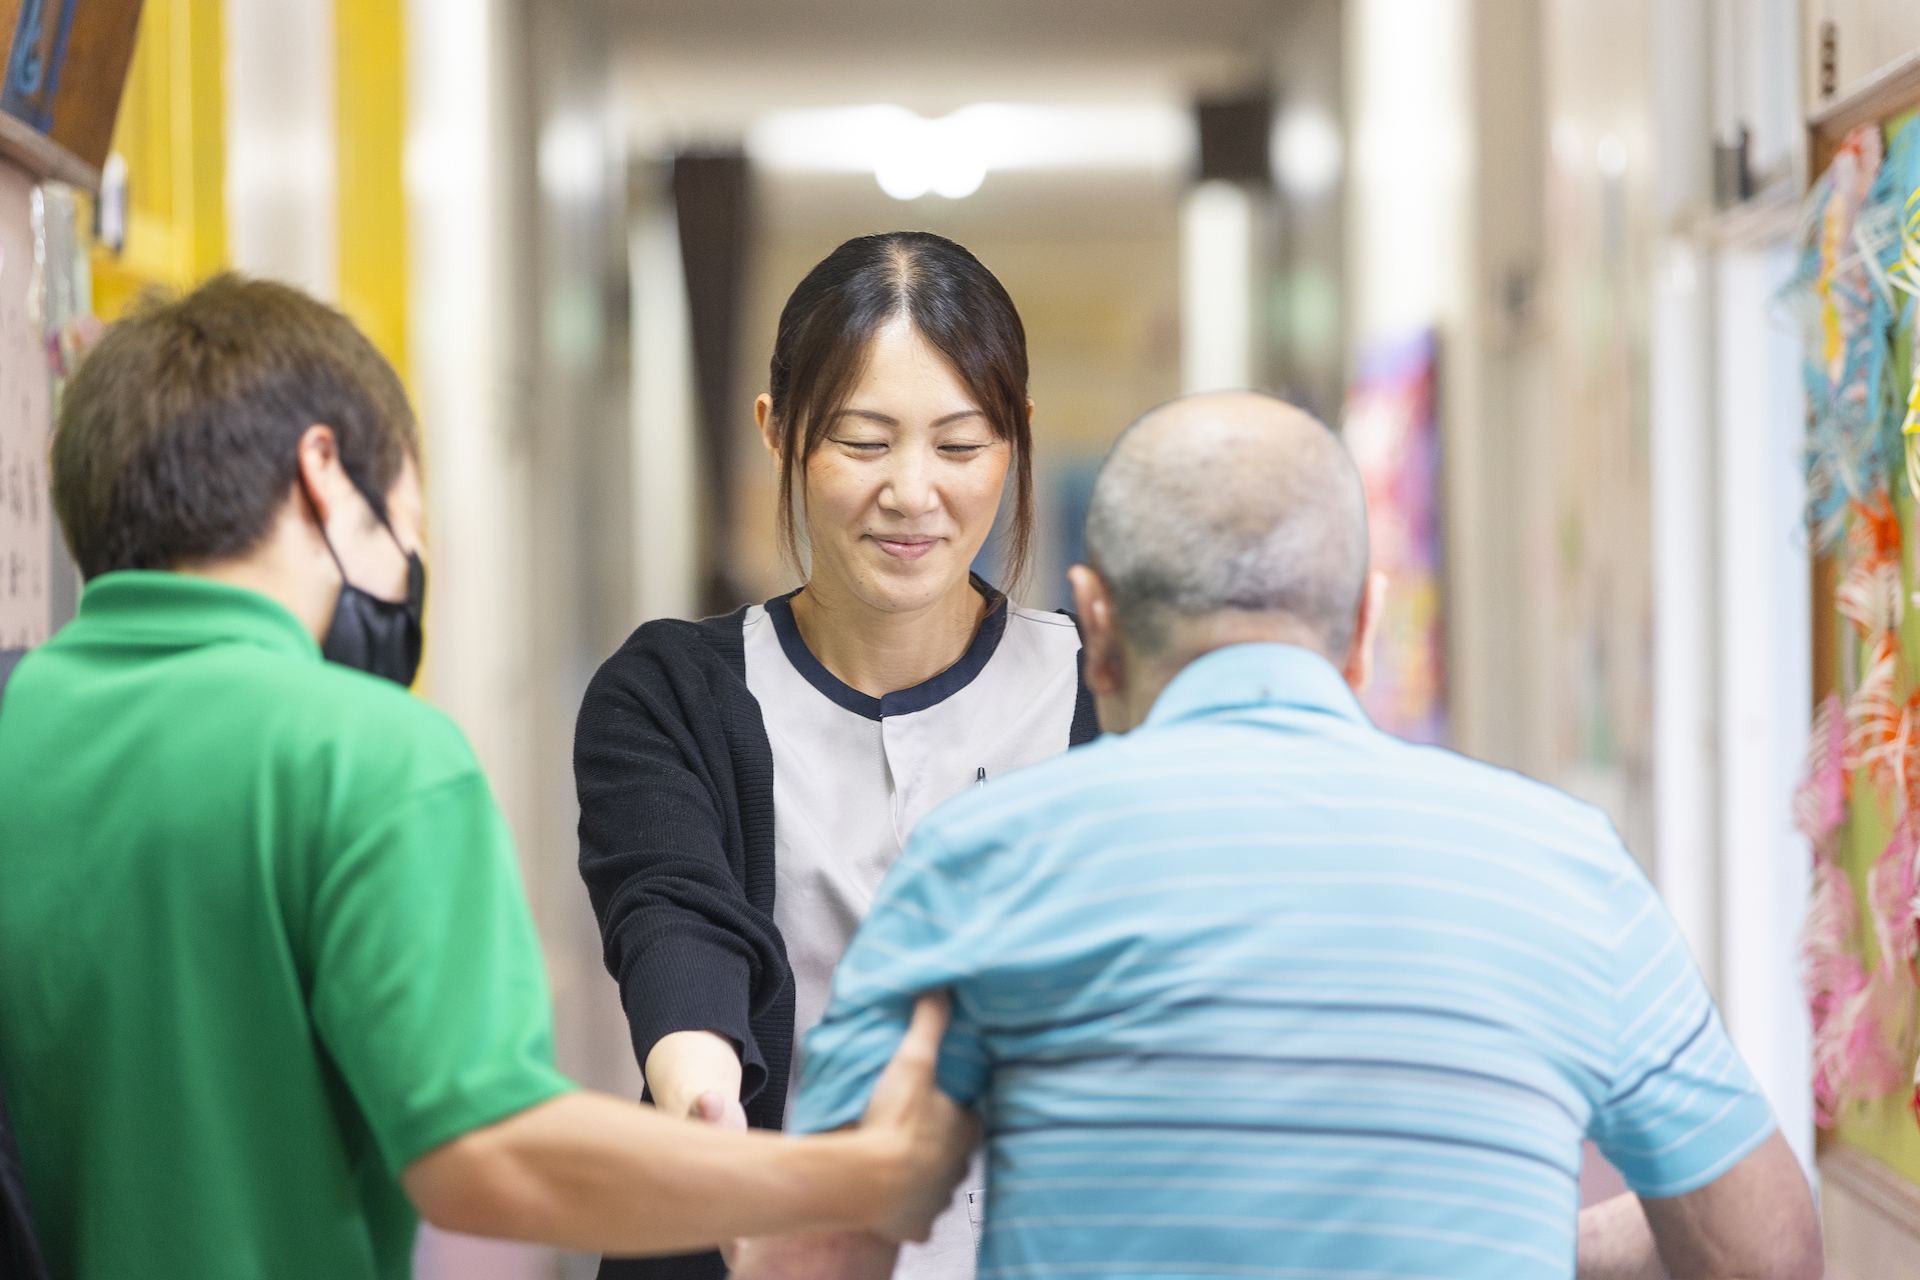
955, 303
178, 436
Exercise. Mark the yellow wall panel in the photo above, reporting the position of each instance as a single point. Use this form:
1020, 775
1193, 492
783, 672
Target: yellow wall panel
371, 95
171, 133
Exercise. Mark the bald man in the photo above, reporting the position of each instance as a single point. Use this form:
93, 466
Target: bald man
1250, 988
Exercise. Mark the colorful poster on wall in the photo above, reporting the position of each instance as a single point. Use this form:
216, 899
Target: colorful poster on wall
1392, 428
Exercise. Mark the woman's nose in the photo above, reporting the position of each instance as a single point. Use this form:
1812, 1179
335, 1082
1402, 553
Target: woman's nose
909, 489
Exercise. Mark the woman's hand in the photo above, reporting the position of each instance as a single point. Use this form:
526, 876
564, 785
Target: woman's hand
717, 1109
689, 1072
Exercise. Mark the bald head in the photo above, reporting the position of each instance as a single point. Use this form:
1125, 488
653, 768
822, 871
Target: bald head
1230, 501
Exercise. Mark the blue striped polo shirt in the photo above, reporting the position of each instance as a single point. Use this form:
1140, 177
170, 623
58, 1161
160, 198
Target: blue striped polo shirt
1258, 990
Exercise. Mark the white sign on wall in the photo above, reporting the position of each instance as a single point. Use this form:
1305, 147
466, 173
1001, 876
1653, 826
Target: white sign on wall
25, 415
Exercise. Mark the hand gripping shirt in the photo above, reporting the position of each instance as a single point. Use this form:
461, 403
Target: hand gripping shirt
1258, 990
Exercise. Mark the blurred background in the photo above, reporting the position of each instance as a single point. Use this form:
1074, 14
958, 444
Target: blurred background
1524, 251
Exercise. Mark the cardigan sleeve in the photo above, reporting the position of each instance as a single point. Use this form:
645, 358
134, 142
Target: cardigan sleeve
662, 852
1086, 715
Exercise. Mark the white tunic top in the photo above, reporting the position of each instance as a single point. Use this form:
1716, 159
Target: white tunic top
852, 774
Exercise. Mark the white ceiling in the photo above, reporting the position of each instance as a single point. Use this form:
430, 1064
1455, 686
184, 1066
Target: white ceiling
697, 71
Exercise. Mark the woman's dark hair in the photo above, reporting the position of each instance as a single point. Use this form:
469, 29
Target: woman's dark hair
179, 435
827, 331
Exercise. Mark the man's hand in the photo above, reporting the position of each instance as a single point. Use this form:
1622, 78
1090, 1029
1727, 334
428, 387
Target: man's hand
930, 1135
934, 1139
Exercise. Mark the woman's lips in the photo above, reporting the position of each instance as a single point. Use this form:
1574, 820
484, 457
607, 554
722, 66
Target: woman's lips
906, 548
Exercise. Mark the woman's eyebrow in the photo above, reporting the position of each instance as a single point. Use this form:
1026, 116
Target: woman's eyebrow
873, 415
868, 414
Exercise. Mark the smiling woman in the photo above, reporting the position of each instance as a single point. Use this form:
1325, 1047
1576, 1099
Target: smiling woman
746, 781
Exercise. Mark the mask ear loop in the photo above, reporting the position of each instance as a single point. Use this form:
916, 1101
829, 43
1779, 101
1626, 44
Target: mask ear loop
416, 570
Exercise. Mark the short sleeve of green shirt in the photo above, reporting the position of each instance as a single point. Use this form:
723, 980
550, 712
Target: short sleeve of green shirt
263, 943
428, 985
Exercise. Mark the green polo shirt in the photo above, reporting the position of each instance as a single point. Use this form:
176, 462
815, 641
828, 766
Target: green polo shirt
263, 943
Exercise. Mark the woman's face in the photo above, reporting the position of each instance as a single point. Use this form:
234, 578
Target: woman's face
903, 488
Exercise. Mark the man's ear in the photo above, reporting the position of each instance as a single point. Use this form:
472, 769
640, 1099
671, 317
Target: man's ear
1099, 631
769, 431
317, 457
1358, 668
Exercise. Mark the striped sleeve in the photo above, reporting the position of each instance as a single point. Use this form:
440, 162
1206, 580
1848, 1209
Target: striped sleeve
1682, 1108
905, 948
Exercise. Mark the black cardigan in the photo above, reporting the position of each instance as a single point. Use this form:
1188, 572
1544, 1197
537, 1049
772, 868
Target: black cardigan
675, 777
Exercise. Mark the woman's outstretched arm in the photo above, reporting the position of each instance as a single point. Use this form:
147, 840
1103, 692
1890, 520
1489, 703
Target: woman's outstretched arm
664, 858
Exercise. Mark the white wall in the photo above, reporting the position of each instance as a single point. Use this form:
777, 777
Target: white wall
1765, 666
282, 192
1680, 414
467, 364
1408, 103
1218, 277
666, 480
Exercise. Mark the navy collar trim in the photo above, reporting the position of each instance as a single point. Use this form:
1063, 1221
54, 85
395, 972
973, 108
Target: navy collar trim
902, 702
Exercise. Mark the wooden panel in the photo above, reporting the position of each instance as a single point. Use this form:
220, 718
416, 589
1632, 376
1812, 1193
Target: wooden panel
92, 73
1887, 92
95, 71
1870, 1215
1826, 635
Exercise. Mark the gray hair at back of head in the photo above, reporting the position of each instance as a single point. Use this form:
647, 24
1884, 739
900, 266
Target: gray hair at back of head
1230, 502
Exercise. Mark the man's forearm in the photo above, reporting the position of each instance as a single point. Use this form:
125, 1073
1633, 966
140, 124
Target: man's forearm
1617, 1244
602, 1175
818, 1255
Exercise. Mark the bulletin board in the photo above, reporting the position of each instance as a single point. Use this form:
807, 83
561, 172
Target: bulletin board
1857, 295
60, 88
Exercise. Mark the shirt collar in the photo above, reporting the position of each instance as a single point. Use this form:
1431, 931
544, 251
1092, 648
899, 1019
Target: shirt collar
177, 609
1256, 675
901, 702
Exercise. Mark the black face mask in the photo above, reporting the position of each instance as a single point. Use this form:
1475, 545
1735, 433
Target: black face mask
381, 637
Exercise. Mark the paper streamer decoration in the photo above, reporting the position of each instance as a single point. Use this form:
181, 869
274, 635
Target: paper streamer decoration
1853, 291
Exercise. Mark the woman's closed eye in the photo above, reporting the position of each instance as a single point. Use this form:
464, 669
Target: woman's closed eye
963, 450
861, 446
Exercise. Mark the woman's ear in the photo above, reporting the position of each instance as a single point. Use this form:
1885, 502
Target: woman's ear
769, 430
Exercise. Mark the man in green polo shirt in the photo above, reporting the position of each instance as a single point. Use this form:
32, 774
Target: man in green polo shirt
268, 981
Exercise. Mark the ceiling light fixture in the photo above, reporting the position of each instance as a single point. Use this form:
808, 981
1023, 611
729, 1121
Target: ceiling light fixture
1307, 152
910, 155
